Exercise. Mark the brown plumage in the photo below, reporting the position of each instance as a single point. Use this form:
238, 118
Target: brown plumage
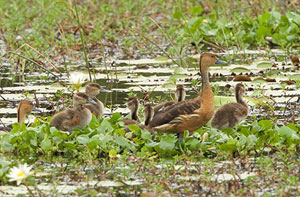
76, 117
231, 114
92, 90
133, 105
190, 114
180, 94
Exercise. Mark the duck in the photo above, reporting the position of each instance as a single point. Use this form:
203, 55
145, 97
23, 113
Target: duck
133, 105
25, 107
190, 114
180, 94
92, 90
76, 117
231, 114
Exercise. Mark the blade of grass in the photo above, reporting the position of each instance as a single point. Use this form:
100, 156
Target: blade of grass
82, 39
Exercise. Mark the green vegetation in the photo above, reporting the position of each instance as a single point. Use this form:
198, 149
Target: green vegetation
262, 158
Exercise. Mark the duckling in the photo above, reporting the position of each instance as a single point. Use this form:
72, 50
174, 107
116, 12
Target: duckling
231, 114
133, 105
190, 114
92, 90
76, 117
24, 108
180, 94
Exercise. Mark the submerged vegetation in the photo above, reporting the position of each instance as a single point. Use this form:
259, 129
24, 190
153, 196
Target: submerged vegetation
41, 47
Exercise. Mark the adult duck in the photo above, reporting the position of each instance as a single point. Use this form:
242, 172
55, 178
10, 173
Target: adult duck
190, 114
231, 114
76, 117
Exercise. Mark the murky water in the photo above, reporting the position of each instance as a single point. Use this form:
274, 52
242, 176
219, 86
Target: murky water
153, 75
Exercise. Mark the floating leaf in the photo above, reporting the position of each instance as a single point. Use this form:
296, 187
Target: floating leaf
259, 80
263, 64
295, 77
240, 70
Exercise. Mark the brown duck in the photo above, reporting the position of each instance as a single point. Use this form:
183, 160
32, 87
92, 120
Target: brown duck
231, 114
133, 105
76, 117
190, 114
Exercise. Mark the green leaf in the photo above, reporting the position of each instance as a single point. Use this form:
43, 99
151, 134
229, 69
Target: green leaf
113, 153
196, 10
265, 124
295, 77
167, 143
240, 69
94, 142
288, 132
177, 15
263, 64
46, 144
83, 139
121, 132
146, 135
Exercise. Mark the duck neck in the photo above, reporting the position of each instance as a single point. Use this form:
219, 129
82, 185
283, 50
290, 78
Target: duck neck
239, 99
21, 115
205, 78
147, 120
134, 114
180, 96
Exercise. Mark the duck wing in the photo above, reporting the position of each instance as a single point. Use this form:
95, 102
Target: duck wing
182, 108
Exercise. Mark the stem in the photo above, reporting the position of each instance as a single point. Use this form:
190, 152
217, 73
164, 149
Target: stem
82, 40
29, 190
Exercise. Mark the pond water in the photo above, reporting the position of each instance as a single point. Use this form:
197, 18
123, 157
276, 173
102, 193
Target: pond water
278, 98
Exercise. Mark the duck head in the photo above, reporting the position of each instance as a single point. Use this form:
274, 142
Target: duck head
80, 99
92, 89
240, 89
180, 93
209, 59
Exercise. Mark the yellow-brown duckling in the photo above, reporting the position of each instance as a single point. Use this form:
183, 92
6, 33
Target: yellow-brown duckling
24, 108
92, 90
190, 114
76, 117
180, 94
133, 105
231, 114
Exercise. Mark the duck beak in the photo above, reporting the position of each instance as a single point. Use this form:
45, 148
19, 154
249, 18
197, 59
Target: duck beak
220, 62
91, 101
105, 90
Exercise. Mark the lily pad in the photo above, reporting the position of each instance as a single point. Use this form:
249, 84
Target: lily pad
263, 64
240, 70
259, 80
295, 77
